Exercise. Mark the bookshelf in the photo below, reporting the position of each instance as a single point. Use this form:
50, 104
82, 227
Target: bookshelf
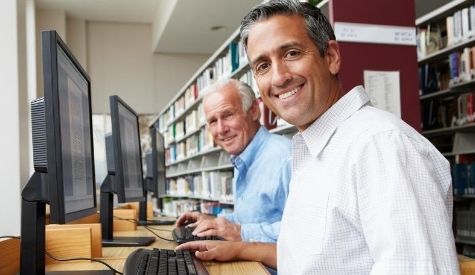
446, 64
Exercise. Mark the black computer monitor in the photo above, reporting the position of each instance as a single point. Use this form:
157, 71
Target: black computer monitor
62, 152
125, 175
155, 177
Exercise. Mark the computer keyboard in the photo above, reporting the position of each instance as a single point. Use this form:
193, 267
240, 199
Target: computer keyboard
182, 234
163, 262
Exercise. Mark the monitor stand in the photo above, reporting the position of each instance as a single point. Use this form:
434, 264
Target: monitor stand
32, 245
106, 212
143, 216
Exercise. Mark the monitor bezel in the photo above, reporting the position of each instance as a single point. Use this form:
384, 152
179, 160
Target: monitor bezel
118, 183
51, 43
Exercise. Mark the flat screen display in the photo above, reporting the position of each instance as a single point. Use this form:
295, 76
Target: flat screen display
130, 151
77, 163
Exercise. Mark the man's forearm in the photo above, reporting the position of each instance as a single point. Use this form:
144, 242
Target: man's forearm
265, 253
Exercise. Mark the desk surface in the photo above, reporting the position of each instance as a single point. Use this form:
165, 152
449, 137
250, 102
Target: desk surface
116, 256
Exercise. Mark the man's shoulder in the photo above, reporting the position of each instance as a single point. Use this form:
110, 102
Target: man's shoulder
277, 141
372, 120
275, 147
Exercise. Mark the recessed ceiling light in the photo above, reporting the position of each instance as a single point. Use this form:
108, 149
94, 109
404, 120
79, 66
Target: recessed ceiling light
217, 28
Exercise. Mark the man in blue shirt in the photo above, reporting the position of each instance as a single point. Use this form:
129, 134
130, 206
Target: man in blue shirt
261, 167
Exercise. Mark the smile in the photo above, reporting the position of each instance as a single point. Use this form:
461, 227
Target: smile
227, 139
289, 93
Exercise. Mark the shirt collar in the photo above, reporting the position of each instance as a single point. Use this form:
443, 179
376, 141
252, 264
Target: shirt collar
317, 135
249, 153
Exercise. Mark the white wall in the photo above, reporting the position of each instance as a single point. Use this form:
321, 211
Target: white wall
121, 61
47, 20
76, 30
13, 114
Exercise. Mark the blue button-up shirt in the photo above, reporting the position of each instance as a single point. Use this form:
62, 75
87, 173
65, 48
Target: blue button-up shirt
261, 183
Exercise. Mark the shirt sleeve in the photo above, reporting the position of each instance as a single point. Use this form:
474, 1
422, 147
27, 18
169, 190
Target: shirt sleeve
268, 232
403, 187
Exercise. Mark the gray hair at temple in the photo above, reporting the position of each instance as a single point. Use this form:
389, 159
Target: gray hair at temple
245, 91
318, 27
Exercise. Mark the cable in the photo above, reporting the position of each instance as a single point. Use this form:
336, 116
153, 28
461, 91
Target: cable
159, 229
148, 228
158, 236
71, 259
124, 219
82, 259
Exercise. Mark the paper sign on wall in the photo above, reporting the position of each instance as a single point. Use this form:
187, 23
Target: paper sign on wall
383, 88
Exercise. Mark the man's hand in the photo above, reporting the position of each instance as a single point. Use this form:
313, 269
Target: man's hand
223, 251
191, 219
214, 250
220, 227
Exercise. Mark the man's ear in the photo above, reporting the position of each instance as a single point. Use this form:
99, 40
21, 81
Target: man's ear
333, 57
254, 111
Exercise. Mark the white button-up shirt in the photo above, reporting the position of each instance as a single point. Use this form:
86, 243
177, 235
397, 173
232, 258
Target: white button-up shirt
368, 195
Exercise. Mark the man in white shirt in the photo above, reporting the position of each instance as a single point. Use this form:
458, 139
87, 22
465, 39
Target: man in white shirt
368, 193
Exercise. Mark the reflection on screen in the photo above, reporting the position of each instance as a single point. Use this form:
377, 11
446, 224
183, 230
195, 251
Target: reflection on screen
75, 136
130, 149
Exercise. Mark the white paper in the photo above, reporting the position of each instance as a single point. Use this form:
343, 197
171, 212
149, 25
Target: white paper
379, 34
383, 88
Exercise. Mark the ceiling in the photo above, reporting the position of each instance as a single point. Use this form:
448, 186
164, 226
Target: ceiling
180, 26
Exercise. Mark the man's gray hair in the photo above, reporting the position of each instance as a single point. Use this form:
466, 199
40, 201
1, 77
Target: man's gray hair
318, 28
245, 91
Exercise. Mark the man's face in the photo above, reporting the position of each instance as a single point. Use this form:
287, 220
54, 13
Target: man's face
230, 126
294, 80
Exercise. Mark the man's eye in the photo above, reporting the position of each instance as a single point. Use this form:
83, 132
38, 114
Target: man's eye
228, 116
262, 67
292, 53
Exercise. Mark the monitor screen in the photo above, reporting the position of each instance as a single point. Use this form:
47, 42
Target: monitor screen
161, 176
128, 182
156, 163
70, 169
75, 127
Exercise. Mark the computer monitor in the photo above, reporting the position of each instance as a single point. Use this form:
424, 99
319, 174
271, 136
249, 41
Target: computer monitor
125, 175
155, 176
62, 152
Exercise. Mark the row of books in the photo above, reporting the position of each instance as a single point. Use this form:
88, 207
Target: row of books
462, 66
465, 225
459, 68
215, 208
448, 112
463, 179
213, 185
454, 29
175, 207
192, 145
193, 121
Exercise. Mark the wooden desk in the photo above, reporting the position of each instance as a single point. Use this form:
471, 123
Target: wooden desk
116, 256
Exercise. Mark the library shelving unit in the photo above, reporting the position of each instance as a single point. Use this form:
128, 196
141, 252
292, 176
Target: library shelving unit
446, 59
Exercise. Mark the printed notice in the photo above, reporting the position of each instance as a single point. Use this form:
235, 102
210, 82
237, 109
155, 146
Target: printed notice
379, 34
383, 88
